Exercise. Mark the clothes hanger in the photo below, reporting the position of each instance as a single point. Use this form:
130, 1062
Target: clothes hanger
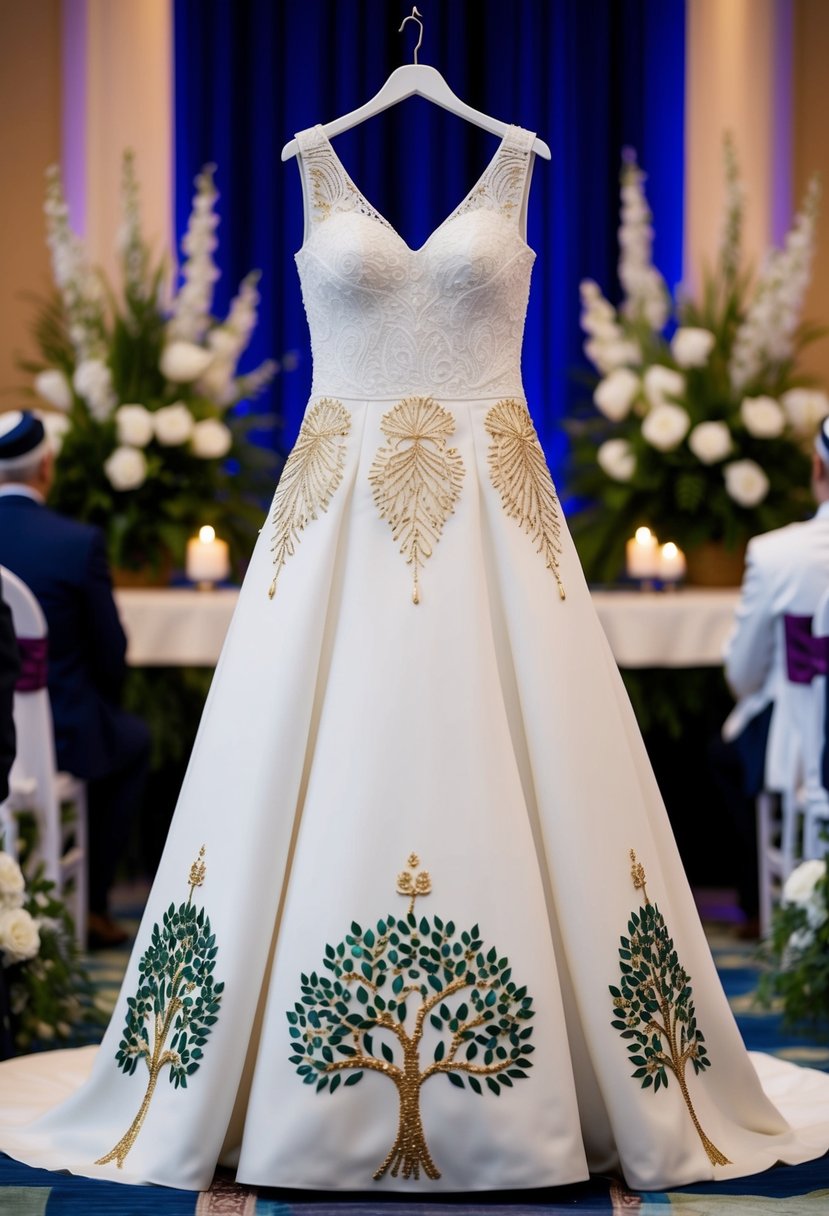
423, 81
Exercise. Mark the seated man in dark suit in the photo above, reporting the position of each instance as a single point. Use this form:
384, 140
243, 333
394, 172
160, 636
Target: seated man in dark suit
9, 668
64, 563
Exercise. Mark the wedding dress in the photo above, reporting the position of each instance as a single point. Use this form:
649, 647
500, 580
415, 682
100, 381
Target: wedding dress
419, 845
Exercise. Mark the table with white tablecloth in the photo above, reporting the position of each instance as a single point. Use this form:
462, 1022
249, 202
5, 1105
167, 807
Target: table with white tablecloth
172, 627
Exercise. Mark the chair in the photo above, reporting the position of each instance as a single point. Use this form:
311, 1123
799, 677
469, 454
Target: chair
816, 796
34, 781
789, 822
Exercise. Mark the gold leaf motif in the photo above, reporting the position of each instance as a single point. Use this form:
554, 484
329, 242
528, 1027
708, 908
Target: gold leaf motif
519, 473
416, 479
312, 473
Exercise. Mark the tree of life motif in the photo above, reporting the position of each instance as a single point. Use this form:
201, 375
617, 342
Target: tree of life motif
176, 994
653, 1006
386, 986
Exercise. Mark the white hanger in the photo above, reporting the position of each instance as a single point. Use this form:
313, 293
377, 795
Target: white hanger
423, 81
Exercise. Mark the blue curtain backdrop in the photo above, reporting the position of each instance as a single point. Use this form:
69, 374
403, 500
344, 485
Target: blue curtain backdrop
590, 76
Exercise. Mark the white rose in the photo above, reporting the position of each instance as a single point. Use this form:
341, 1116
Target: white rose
135, 425
763, 417
805, 409
616, 458
53, 387
12, 882
173, 424
666, 426
615, 394
183, 362
211, 439
19, 937
800, 884
710, 441
662, 382
56, 426
691, 346
126, 468
93, 381
746, 482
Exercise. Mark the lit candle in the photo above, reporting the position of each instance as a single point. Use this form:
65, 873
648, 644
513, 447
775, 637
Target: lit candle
207, 558
671, 563
642, 555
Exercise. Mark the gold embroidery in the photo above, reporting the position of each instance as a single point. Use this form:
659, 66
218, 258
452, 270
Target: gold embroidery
519, 473
409, 883
175, 994
312, 473
384, 987
416, 479
653, 1007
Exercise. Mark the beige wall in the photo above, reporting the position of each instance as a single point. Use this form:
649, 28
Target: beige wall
30, 82
811, 152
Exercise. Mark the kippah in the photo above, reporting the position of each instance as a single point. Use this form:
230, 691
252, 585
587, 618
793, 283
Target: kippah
20, 433
822, 441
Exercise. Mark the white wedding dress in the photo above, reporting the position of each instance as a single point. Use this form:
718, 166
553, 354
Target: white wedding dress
402, 853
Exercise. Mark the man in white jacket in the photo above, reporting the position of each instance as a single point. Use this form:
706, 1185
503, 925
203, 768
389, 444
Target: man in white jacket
787, 573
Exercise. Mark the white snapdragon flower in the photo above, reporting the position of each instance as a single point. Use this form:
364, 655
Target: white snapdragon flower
646, 296
666, 426
710, 441
746, 483
78, 285
661, 383
805, 409
606, 347
691, 346
135, 425
191, 307
56, 426
615, 394
19, 936
52, 386
126, 468
129, 242
173, 424
211, 439
762, 417
184, 362
616, 458
12, 882
766, 335
92, 380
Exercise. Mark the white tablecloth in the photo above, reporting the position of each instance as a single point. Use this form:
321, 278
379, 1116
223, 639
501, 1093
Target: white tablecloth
687, 628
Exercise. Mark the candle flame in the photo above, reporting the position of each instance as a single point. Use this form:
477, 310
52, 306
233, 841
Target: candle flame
207, 534
643, 536
669, 549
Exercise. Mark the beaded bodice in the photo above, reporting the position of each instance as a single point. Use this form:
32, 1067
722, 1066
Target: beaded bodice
387, 320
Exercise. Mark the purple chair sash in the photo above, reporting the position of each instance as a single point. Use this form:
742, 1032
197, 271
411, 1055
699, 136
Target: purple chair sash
34, 654
806, 656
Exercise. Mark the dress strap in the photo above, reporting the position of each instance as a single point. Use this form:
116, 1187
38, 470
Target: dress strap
326, 186
504, 184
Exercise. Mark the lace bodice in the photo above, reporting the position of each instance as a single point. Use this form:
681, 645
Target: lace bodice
387, 320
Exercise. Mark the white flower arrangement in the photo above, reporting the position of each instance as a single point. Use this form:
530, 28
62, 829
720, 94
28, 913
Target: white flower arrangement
47, 986
145, 390
798, 949
715, 426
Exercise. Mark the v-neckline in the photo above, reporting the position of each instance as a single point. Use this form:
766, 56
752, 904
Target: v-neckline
382, 219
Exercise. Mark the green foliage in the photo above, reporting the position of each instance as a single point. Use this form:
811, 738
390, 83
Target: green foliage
398, 972
176, 993
796, 958
653, 1005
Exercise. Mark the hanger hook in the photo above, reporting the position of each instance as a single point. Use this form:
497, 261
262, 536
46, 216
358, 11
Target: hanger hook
414, 16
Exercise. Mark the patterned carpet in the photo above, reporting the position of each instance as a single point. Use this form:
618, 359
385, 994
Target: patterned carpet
788, 1191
